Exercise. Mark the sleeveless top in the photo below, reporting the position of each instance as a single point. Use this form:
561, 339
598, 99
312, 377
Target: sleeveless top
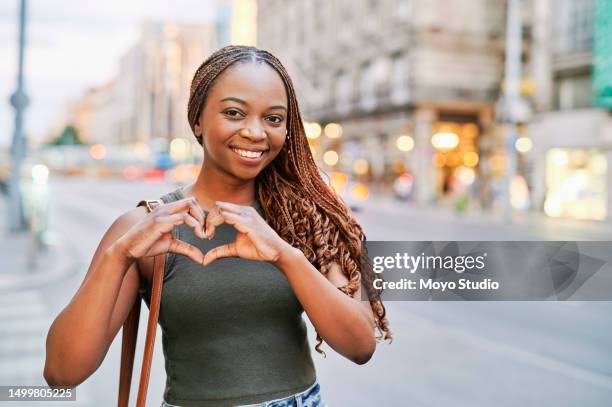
232, 331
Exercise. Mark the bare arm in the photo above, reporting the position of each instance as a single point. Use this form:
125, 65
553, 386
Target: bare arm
346, 324
80, 336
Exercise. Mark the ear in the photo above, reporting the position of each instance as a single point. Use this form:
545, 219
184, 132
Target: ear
198, 129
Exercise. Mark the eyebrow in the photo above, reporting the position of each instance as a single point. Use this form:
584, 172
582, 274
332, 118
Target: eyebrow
242, 102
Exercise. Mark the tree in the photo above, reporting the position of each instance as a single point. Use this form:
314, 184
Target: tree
69, 136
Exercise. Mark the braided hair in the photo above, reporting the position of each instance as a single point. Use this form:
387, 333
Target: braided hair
296, 201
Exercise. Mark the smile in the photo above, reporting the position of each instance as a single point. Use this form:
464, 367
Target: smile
247, 153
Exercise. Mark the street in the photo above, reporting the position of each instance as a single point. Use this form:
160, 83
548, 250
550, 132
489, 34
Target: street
443, 353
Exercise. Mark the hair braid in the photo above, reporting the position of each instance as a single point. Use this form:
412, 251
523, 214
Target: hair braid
297, 202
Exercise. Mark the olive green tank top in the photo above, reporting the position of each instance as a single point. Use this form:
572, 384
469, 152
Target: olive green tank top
232, 331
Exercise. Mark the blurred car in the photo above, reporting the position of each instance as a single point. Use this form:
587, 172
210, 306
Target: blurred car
403, 186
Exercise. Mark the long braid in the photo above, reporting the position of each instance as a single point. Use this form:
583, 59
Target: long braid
296, 201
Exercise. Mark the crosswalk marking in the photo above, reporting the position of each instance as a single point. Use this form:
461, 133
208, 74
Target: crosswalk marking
24, 323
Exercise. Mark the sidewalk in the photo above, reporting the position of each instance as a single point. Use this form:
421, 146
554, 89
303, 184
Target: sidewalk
21, 267
592, 230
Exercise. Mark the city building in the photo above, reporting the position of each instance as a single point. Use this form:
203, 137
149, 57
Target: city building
394, 78
144, 107
572, 127
237, 22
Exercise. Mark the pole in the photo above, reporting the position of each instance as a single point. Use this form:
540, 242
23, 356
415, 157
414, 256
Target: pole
512, 78
19, 101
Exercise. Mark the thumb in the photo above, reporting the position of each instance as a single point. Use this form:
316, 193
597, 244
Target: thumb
186, 249
226, 250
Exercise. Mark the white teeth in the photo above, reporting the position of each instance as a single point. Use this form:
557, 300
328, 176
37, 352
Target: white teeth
249, 154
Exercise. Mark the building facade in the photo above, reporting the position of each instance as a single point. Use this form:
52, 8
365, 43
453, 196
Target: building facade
144, 107
571, 132
393, 73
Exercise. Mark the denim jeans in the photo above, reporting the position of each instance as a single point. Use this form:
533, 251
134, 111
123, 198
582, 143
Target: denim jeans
310, 397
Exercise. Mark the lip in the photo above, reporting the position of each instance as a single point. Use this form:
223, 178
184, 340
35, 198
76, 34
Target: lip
248, 160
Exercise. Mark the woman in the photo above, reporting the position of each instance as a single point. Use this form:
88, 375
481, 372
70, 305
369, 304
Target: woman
255, 241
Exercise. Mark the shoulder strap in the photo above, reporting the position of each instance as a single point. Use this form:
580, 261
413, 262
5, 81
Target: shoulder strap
130, 332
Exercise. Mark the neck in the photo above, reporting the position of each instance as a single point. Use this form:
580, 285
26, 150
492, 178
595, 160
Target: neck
213, 185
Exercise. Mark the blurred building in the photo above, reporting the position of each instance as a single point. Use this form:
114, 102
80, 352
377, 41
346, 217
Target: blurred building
144, 107
392, 74
237, 22
572, 128
154, 79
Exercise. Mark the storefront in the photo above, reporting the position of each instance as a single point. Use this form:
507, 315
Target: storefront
576, 184
572, 159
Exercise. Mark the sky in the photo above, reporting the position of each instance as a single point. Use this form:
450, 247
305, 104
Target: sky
71, 46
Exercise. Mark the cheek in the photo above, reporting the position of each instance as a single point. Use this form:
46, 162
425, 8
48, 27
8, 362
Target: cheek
217, 132
277, 137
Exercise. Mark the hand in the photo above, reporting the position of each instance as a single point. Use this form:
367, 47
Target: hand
255, 239
152, 235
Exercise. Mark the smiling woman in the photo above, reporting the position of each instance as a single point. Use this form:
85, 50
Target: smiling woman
255, 242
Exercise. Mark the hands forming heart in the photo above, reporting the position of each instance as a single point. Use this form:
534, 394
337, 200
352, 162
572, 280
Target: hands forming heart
255, 239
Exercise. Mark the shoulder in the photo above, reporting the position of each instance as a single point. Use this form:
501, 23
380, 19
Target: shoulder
127, 219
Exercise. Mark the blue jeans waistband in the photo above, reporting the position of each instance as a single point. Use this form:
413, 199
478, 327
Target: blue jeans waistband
311, 397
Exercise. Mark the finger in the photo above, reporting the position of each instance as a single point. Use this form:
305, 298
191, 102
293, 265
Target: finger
178, 206
195, 224
226, 250
240, 222
178, 219
165, 223
232, 207
186, 249
214, 219
197, 212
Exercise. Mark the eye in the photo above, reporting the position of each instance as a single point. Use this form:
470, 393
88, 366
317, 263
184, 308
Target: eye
276, 119
233, 113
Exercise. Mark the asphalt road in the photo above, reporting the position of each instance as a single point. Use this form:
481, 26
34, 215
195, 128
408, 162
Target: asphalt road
443, 353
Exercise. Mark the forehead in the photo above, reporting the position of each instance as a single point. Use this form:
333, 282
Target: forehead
250, 81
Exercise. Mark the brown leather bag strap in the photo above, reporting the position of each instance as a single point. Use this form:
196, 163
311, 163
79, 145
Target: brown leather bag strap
130, 332
156, 290
128, 348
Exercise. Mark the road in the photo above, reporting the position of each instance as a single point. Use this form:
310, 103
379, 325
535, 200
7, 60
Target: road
443, 353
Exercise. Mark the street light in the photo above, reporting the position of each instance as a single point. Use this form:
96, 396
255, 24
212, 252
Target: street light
313, 130
330, 158
514, 109
445, 140
19, 101
404, 143
333, 130
523, 144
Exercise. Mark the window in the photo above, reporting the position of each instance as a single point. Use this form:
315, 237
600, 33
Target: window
399, 78
574, 25
367, 86
573, 92
343, 92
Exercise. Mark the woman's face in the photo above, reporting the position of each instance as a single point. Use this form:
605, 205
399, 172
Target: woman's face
244, 119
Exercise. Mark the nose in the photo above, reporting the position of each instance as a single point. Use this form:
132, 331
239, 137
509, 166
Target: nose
253, 132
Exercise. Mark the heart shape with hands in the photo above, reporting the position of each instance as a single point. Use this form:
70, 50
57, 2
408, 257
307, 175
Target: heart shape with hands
255, 239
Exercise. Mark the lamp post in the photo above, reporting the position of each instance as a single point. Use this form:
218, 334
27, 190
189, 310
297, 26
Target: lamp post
512, 98
19, 101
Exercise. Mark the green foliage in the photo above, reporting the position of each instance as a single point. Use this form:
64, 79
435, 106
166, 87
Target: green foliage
69, 136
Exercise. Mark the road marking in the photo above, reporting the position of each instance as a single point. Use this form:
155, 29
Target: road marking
525, 356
